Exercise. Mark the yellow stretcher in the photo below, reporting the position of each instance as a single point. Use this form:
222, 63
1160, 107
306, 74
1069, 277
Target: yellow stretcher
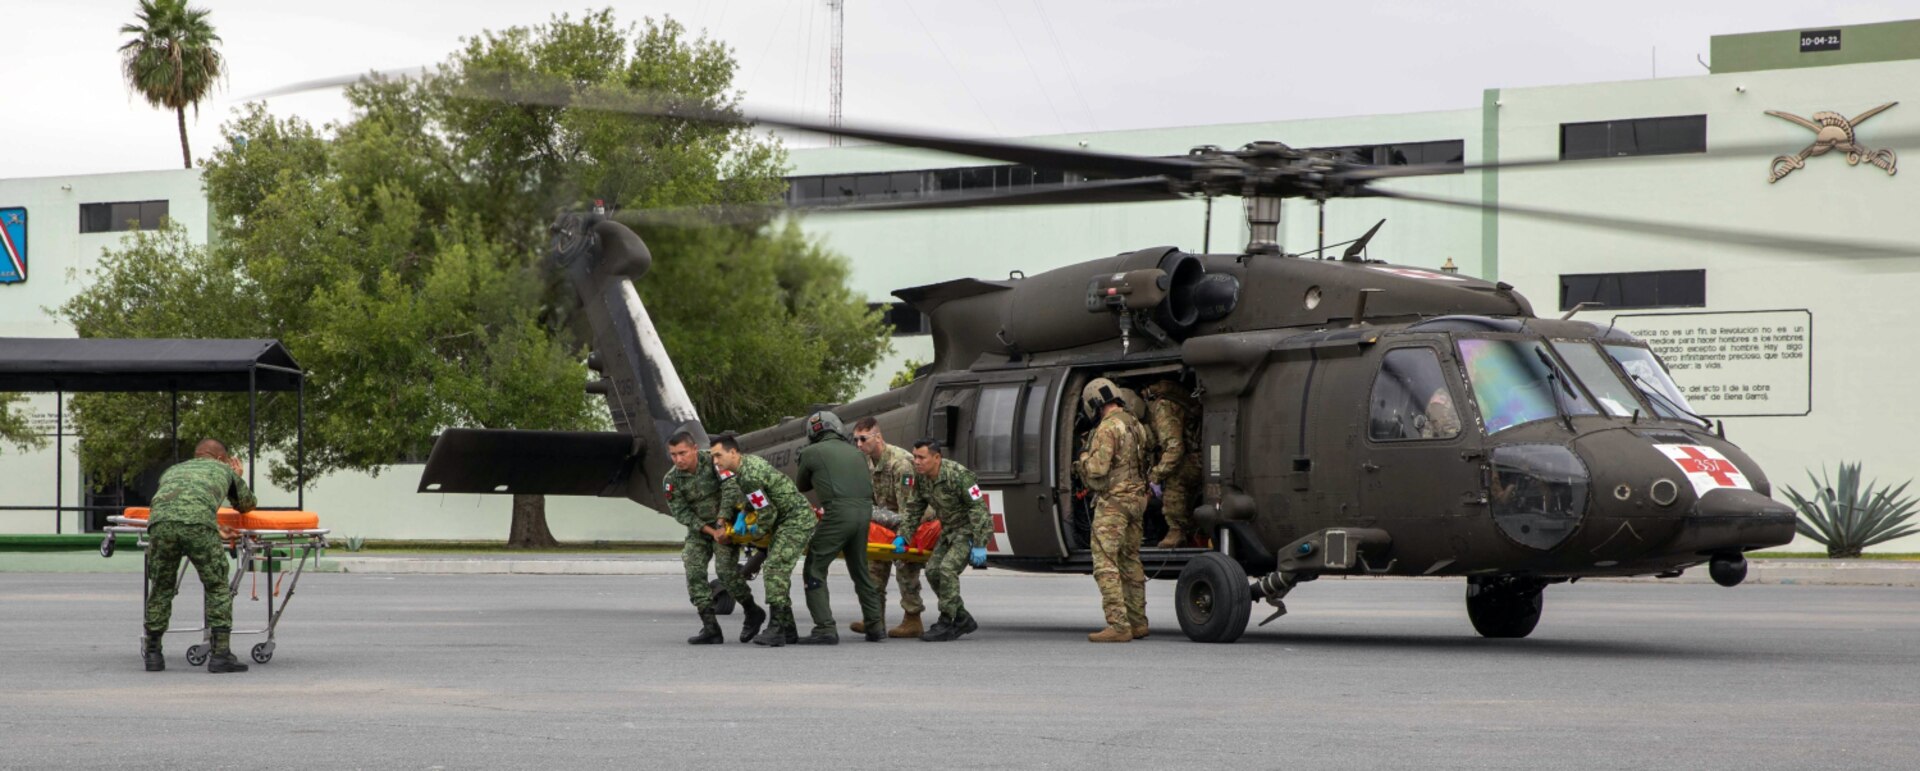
919, 548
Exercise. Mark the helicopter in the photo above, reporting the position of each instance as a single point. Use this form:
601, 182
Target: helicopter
1358, 417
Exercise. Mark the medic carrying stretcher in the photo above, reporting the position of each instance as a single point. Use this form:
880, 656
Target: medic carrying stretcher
884, 528
259, 541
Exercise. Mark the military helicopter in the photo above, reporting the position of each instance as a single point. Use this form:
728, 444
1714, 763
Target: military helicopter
1359, 418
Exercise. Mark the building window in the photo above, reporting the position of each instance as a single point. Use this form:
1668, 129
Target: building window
122, 215
1447, 151
1650, 289
1637, 136
905, 319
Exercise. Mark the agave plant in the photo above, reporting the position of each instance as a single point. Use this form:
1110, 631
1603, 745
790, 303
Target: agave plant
1846, 517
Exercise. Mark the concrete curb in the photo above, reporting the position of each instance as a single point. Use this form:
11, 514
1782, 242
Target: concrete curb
1762, 572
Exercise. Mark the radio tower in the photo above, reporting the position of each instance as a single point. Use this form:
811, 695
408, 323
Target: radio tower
838, 9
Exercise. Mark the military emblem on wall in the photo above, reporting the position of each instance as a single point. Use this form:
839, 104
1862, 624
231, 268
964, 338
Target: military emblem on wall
13, 241
1832, 131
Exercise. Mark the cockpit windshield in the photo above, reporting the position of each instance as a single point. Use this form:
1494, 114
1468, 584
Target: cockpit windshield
1591, 369
1646, 374
1519, 381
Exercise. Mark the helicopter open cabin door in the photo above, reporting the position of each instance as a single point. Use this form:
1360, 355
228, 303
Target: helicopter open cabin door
1416, 440
1001, 427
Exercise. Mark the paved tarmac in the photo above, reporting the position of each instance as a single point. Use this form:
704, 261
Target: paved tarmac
518, 671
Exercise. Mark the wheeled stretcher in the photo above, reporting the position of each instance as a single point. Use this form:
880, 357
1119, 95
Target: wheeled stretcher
261, 541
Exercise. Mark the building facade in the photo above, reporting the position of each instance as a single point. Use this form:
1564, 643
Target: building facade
1791, 348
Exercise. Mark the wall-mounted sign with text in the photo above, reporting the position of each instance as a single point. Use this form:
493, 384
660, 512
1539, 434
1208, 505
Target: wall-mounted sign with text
1734, 364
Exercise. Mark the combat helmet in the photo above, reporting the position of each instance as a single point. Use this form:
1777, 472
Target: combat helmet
1097, 394
822, 423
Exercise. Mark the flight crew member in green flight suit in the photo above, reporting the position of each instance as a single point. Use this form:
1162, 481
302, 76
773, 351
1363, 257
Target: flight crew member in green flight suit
965, 528
693, 500
838, 473
184, 523
752, 482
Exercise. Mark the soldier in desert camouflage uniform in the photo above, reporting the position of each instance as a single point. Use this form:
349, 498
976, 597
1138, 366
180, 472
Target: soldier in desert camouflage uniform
693, 500
750, 481
965, 527
1113, 466
1174, 417
184, 523
892, 481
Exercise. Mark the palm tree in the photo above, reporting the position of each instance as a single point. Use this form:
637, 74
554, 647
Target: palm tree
171, 59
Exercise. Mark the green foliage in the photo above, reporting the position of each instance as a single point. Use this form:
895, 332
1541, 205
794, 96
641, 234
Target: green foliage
171, 60
398, 257
1847, 517
909, 370
14, 429
760, 325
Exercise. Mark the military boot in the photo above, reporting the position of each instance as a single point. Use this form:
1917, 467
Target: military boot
150, 650
942, 631
755, 617
1174, 540
222, 659
777, 634
820, 637
1112, 634
909, 627
876, 631
964, 624
1140, 631
710, 633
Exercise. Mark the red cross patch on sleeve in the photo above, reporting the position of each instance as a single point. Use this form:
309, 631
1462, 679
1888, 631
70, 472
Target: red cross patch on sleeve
974, 492
758, 499
725, 475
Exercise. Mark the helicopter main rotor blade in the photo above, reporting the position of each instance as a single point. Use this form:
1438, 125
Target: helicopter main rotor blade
1137, 190
1768, 241
338, 81
1087, 162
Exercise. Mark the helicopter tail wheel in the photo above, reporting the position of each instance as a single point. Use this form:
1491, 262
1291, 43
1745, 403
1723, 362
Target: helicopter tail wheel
722, 599
1212, 599
1504, 606
1728, 569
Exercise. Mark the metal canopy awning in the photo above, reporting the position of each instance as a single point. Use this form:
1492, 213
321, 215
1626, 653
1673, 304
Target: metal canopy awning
103, 364
63, 365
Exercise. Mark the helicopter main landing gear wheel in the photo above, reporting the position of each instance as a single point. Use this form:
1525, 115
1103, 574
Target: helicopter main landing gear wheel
1504, 606
722, 599
1213, 599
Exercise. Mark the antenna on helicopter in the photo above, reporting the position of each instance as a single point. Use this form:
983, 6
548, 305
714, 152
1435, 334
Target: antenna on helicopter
1360, 244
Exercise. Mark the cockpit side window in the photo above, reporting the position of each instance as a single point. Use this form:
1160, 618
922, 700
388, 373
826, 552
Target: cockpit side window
1410, 399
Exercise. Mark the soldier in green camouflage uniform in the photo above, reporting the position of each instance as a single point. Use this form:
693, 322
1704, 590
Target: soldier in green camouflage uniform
1173, 416
1113, 466
693, 500
965, 529
184, 523
892, 480
750, 481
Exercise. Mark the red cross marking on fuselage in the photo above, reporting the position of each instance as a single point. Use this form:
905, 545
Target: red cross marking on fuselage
1698, 463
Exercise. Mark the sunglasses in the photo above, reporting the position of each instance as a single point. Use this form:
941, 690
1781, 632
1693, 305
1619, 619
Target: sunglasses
861, 438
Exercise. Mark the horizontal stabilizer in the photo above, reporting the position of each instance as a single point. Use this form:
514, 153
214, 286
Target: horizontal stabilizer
467, 460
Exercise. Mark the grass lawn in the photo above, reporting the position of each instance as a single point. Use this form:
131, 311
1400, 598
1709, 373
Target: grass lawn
1817, 555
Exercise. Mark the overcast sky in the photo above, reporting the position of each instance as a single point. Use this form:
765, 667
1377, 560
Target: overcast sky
990, 67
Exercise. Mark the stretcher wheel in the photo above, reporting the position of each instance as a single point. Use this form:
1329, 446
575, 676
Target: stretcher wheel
722, 599
197, 655
106, 546
263, 652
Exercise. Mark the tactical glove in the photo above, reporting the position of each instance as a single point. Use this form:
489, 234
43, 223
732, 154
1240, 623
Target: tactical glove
977, 557
899, 544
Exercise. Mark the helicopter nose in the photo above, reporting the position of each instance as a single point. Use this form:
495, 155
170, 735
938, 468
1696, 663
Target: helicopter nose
1731, 521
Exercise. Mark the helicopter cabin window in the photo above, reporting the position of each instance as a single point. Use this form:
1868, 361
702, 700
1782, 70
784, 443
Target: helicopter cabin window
993, 426
1033, 418
1411, 399
1517, 381
1648, 377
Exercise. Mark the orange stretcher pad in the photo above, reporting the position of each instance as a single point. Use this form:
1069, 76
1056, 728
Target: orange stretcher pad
919, 547
252, 520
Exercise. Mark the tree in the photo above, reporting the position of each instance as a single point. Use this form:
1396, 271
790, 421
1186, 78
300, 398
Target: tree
171, 59
14, 429
398, 257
